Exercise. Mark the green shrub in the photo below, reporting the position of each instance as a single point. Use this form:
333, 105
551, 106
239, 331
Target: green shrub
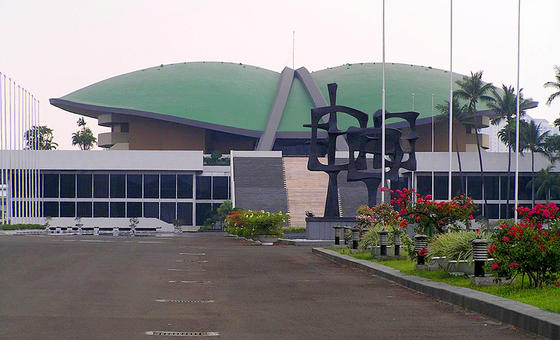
293, 230
21, 226
454, 245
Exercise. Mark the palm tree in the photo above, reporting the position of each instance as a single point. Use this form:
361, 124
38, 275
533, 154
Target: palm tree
553, 147
460, 115
39, 137
505, 107
473, 90
535, 140
547, 182
556, 86
84, 138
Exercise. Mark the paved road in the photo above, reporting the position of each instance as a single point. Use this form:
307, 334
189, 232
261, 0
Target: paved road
69, 287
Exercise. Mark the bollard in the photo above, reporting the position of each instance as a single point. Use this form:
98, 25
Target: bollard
96, 231
480, 255
355, 238
397, 241
420, 244
383, 241
337, 233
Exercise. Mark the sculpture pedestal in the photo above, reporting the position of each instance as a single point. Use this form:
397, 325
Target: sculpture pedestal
321, 228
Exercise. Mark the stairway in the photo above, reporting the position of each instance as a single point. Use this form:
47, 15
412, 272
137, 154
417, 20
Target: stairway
306, 190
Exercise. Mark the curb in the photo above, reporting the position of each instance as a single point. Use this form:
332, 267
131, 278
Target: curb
526, 317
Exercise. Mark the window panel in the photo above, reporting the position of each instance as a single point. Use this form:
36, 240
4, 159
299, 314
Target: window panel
101, 186
51, 186
475, 187
184, 213
117, 209
134, 186
151, 186
83, 209
220, 186
424, 185
504, 182
441, 184
493, 211
100, 209
151, 209
457, 186
203, 187
525, 188
168, 186
84, 185
67, 185
203, 211
67, 209
134, 209
506, 211
50, 209
117, 186
167, 211
184, 186
492, 187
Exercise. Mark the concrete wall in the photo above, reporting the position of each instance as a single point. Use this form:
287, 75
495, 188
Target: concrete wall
151, 134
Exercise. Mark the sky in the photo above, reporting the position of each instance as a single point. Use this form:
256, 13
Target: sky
55, 47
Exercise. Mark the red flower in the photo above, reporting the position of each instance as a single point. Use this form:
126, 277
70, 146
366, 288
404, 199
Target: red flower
505, 239
494, 266
477, 231
491, 248
382, 189
471, 217
514, 264
558, 284
423, 252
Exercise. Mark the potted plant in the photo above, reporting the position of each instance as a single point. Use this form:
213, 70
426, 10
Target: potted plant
264, 226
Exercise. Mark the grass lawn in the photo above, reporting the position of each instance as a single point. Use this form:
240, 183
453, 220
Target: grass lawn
21, 226
547, 298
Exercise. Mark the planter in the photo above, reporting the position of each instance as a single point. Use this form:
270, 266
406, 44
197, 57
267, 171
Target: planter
266, 238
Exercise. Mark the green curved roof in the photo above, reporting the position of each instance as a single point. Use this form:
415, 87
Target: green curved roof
240, 96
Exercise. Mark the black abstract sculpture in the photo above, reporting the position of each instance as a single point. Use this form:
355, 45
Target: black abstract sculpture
399, 148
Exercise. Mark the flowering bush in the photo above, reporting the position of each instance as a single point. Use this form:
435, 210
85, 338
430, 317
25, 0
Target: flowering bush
430, 215
375, 219
527, 248
248, 223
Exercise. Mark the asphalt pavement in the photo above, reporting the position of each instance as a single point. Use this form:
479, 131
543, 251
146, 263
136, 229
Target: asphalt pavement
85, 287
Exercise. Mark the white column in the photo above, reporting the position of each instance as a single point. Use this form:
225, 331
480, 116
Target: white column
383, 111
2, 161
450, 150
517, 111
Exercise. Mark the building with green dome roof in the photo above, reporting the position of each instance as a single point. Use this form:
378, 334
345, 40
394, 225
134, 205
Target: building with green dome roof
219, 106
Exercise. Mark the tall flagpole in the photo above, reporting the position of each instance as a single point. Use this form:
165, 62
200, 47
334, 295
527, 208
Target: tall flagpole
433, 173
517, 112
2, 162
294, 50
450, 98
383, 111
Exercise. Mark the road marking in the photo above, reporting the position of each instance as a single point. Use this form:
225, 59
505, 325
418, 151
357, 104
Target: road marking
182, 333
184, 301
179, 260
106, 241
193, 254
152, 242
187, 281
185, 270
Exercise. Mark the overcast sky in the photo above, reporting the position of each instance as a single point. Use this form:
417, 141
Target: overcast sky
55, 47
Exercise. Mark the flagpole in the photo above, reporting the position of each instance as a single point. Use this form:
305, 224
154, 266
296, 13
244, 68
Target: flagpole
517, 112
383, 111
450, 99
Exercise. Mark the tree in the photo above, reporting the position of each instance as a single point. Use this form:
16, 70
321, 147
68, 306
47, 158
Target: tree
84, 138
39, 138
534, 139
505, 107
555, 85
460, 115
552, 146
546, 182
473, 90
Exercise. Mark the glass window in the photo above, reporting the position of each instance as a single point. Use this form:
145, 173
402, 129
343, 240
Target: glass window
50, 209
100, 209
475, 186
67, 186
478, 210
134, 209
492, 187
117, 209
493, 211
424, 185
84, 209
457, 185
506, 211
203, 211
151, 186
167, 211
525, 192
134, 186
203, 188
151, 209
84, 185
184, 186
184, 213
220, 186
67, 209
168, 184
503, 183
101, 186
51, 186
117, 186
441, 184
